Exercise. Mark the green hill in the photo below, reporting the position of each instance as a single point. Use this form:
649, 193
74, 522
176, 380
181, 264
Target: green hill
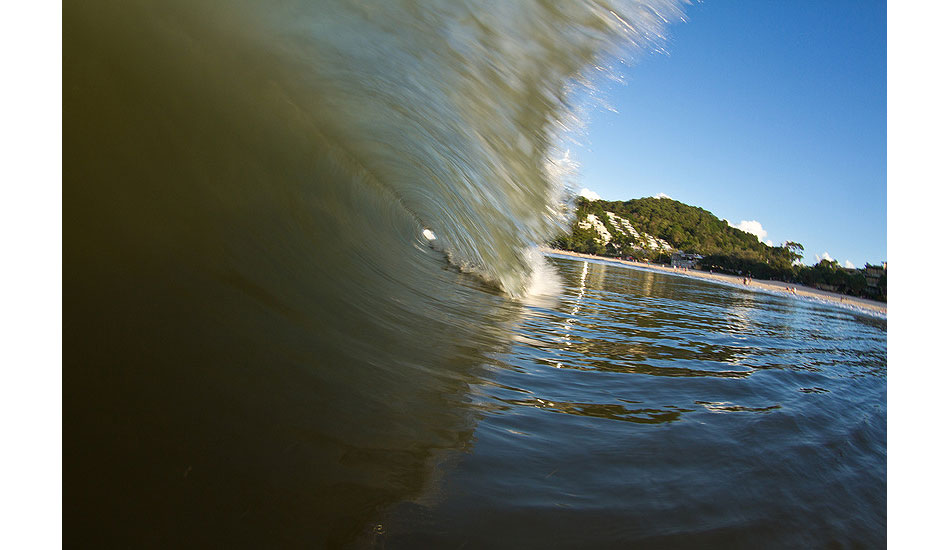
652, 228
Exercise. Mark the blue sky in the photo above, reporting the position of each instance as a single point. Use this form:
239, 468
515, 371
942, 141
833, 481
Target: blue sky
762, 111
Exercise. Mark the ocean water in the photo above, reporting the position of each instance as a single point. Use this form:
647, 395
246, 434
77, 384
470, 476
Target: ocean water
262, 349
637, 409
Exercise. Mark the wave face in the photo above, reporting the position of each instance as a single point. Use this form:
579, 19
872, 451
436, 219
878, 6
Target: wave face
260, 346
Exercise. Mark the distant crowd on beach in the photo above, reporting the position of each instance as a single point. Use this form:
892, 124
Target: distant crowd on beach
745, 280
748, 281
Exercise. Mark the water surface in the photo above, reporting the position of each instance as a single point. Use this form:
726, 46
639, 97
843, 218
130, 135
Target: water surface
646, 410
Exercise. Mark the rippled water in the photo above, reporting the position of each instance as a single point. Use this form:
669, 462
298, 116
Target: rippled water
646, 410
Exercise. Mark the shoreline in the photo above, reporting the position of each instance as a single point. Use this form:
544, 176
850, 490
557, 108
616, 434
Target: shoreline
777, 287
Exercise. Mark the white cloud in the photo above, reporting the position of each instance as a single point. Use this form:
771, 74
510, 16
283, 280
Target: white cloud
824, 256
662, 196
848, 264
769, 242
589, 195
752, 226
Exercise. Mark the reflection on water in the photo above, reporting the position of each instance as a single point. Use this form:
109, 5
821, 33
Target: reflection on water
646, 410
606, 410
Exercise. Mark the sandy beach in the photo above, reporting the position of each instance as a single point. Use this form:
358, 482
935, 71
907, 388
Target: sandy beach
771, 286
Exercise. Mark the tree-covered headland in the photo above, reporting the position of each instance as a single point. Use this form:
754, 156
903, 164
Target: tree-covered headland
654, 229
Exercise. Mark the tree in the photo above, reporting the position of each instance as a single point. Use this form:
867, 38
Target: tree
857, 283
692, 229
593, 246
794, 250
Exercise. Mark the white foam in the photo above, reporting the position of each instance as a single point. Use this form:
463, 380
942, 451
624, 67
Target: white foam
544, 284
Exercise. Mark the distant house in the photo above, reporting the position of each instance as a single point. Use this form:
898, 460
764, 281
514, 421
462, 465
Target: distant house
681, 259
873, 274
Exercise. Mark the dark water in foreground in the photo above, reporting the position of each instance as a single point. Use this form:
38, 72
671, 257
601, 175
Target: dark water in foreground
634, 409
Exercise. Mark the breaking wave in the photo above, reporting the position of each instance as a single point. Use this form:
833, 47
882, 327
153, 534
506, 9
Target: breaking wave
261, 345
